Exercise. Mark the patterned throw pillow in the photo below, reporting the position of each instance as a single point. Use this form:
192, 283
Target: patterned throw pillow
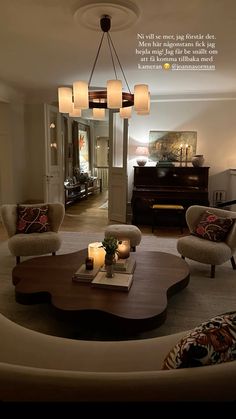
32, 219
212, 342
212, 227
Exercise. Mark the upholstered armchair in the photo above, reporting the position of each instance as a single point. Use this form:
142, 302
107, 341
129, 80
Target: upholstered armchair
208, 251
33, 243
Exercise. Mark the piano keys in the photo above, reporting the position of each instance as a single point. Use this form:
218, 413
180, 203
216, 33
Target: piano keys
167, 185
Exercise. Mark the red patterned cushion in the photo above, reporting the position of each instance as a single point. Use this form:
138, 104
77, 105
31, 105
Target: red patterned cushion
32, 219
212, 227
212, 342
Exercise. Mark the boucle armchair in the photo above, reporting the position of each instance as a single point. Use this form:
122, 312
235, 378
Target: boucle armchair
207, 251
34, 243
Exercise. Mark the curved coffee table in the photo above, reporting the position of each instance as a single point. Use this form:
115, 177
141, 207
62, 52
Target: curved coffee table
156, 277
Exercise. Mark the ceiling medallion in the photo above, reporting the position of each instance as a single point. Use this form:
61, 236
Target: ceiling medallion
123, 13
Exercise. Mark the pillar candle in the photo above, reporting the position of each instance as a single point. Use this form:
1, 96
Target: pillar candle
181, 153
186, 160
96, 251
124, 249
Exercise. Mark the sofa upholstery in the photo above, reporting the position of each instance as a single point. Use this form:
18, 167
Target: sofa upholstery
39, 367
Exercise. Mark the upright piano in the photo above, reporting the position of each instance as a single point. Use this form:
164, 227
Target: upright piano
167, 185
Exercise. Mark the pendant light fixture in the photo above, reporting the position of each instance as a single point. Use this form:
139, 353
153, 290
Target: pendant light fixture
72, 100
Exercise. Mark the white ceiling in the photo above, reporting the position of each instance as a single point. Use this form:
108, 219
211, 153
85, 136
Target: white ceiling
43, 46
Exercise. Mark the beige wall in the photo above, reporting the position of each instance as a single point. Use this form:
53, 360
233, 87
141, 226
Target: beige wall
215, 123
12, 146
35, 138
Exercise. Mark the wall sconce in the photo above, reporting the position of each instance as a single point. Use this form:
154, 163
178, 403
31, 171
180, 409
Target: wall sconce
142, 152
123, 249
97, 252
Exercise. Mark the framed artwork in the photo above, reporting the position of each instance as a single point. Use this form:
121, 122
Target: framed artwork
83, 150
172, 146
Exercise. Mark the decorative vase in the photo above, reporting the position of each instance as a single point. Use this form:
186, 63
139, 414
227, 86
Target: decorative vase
198, 160
109, 260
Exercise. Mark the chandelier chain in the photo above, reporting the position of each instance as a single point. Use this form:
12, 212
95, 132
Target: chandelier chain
96, 58
112, 58
109, 36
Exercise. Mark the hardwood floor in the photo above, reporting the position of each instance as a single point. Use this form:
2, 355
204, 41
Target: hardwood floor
86, 216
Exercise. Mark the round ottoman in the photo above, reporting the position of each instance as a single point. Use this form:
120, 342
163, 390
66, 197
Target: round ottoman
124, 231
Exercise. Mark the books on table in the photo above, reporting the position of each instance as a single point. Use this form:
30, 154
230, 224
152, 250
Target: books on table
120, 281
84, 275
123, 265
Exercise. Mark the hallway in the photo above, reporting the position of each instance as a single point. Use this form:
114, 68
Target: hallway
85, 215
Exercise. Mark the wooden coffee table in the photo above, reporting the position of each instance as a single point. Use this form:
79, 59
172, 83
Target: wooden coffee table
156, 277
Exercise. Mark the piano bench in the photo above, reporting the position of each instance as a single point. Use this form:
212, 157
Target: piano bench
166, 207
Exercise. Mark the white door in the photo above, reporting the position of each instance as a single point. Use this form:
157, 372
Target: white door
53, 185
118, 181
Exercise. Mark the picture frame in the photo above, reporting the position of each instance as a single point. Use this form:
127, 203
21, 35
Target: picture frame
172, 146
84, 147
81, 149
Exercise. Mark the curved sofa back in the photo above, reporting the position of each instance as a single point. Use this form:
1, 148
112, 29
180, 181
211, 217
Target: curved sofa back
38, 367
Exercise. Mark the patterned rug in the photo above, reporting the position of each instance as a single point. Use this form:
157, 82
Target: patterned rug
203, 298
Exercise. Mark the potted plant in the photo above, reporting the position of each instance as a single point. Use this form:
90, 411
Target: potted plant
110, 244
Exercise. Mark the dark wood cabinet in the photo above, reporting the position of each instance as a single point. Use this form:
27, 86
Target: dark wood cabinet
77, 191
167, 185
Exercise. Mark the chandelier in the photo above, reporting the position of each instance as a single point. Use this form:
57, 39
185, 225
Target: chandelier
74, 99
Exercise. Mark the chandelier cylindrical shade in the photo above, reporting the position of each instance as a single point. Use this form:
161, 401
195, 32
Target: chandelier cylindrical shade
141, 97
126, 112
65, 99
147, 111
81, 96
114, 94
75, 112
98, 113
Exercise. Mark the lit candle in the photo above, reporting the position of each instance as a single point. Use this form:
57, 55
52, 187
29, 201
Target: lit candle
186, 153
96, 251
181, 153
123, 249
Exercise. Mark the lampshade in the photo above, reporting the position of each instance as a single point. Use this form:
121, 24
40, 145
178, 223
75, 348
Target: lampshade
114, 97
147, 110
126, 112
75, 112
65, 99
80, 91
141, 98
114, 94
142, 152
98, 113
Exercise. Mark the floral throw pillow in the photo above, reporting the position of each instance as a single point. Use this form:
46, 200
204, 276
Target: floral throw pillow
32, 219
213, 227
212, 342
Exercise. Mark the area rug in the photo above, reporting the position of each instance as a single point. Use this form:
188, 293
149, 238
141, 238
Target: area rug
203, 298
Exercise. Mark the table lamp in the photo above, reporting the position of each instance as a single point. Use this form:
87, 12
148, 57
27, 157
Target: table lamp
141, 152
